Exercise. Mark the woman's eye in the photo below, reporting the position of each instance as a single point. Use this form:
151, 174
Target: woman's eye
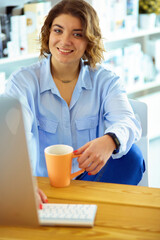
79, 35
57, 30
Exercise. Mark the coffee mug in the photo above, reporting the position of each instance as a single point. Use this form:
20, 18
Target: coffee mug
59, 163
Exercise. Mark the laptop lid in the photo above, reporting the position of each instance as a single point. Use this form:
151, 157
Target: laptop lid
17, 188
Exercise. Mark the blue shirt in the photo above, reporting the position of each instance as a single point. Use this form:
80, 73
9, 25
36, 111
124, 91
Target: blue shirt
99, 105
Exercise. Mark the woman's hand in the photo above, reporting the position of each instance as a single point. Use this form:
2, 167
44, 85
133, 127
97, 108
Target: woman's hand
41, 197
95, 154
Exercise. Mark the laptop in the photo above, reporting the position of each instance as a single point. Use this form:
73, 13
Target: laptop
18, 205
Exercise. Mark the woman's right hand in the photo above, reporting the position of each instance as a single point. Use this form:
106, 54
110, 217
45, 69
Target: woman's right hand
95, 154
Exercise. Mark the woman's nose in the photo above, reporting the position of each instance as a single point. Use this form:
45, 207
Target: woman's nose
66, 39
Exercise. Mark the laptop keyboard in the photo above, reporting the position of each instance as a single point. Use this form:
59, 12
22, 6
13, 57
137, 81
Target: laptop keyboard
68, 214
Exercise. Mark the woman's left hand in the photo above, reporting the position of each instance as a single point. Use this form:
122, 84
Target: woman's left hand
41, 197
95, 154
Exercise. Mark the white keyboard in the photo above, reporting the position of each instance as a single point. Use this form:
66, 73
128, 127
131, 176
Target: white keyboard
68, 214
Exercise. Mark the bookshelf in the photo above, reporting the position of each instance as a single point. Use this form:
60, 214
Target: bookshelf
119, 41
9, 65
19, 58
132, 35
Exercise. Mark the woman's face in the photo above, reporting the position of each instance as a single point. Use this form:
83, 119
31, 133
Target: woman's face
67, 43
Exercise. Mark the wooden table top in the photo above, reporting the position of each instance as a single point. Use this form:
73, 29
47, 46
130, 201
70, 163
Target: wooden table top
124, 212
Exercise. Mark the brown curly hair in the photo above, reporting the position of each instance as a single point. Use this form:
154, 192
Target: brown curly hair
90, 22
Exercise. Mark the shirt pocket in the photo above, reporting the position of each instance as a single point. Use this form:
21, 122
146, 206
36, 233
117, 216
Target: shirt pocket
47, 130
86, 129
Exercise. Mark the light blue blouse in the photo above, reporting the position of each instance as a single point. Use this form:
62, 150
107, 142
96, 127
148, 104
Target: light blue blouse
99, 105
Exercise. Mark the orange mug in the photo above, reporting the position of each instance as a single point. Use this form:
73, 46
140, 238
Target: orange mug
59, 163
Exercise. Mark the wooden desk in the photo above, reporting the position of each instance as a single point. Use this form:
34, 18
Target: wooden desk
124, 212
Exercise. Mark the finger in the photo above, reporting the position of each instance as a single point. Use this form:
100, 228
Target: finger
86, 162
43, 197
81, 149
39, 201
92, 166
97, 169
39, 198
87, 156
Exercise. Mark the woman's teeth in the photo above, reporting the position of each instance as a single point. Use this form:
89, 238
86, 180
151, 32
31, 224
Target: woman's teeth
65, 51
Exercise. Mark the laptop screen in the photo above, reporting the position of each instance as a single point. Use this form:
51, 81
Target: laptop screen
17, 189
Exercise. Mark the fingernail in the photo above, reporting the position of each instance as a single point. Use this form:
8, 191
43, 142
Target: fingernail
46, 200
89, 174
40, 206
75, 151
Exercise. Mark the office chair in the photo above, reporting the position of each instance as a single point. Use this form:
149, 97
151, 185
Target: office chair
141, 112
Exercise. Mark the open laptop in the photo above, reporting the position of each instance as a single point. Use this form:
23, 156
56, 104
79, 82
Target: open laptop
18, 205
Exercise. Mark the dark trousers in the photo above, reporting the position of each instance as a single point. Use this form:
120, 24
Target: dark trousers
128, 169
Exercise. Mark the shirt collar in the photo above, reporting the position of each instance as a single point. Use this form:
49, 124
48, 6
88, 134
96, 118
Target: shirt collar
46, 80
85, 76
47, 83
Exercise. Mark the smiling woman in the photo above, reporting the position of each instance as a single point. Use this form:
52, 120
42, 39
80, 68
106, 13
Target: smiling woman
68, 98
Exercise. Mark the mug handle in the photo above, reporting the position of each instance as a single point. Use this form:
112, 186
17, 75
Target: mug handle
75, 174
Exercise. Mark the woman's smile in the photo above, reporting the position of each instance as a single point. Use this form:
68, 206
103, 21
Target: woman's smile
64, 51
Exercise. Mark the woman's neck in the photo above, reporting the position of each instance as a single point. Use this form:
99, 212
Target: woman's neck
65, 73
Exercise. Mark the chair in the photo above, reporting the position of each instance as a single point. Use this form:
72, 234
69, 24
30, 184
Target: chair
141, 112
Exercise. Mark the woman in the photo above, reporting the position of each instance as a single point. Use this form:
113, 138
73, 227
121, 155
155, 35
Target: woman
69, 99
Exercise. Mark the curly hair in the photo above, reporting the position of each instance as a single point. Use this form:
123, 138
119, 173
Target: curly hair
90, 23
